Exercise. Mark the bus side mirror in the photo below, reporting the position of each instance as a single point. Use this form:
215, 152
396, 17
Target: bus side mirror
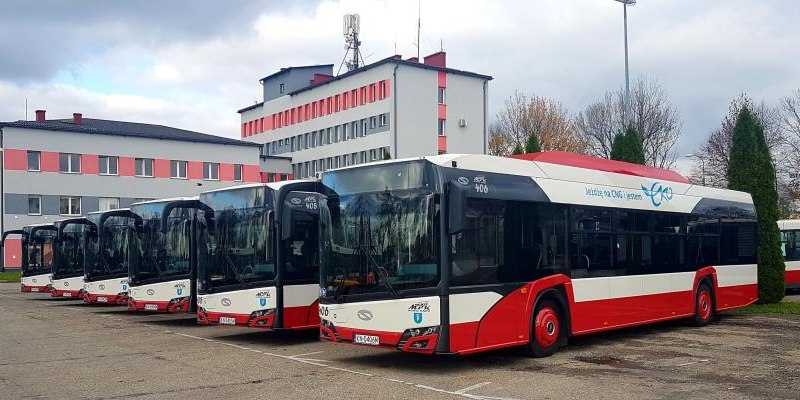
456, 207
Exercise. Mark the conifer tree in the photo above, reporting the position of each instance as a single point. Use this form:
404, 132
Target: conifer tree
751, 170
533, 144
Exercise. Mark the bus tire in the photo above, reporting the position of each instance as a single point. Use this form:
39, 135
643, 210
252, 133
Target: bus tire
547, 329
703, 305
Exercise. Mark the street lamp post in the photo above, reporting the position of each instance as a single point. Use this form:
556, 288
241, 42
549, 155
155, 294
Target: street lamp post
702, 165
625, 111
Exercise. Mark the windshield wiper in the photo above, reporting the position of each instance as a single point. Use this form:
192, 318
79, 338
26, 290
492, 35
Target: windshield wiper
231, 264
383, 275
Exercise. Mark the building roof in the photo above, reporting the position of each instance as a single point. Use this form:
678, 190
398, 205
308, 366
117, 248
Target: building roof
287, 69
389, 60
130, 129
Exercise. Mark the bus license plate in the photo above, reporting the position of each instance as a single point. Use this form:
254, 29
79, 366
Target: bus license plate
227, 321
102, 299
67, 294
36, 289
367, 339
151, 307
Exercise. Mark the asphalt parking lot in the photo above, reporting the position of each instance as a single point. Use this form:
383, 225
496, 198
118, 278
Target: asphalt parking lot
63, 349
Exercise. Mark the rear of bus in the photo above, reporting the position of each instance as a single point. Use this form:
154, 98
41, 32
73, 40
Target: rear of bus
245, 276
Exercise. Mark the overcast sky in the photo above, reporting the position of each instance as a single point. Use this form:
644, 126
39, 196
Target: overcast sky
193, 63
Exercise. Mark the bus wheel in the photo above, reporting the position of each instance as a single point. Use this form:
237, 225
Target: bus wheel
547, 329
704, 305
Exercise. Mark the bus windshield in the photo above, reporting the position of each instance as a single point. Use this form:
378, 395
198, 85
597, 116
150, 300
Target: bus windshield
107, 248
235, 242
379, 241
160, 255
70, 251
39, 249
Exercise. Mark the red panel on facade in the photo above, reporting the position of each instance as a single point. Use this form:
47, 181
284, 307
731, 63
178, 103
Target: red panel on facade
251, 173
442, 79
225, 172
49, 161
372, 90
194, 170
161, 168
345, 100
362, 95
89, 164
602, 164
13, 253
127, 166
388, 85
442, 111
442, 144
244, 129
15, 160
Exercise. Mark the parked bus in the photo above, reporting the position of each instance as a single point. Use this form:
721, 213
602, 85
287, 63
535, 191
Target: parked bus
70, 248
106, 262
37, 256
790, 245
257, 260
162, 273
467, 253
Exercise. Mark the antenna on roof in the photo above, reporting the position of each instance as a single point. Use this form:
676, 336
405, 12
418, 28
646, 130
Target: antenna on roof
419, 24
351, 28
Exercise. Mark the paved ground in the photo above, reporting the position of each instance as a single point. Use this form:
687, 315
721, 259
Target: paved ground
62, 349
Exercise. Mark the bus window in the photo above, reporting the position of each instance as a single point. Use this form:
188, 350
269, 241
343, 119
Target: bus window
790, 245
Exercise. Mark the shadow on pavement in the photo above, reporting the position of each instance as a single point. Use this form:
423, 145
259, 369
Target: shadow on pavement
272, 338
174, 321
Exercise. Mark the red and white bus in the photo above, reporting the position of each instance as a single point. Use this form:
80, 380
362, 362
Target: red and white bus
466, 253
258, 256
37, 256
162, 265
68, 257
106, 262
790, 246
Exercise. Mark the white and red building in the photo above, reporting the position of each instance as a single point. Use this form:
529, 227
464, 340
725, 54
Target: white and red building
311, 121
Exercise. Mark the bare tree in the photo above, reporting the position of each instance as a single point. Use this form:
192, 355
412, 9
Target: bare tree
656, 120
715, 153
522, 117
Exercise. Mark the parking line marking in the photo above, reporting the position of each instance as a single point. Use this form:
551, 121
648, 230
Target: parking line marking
307, 354
693, 362
473, 387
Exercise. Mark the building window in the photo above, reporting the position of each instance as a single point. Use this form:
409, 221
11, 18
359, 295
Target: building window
108, 203
69, 163
34, 205
144, 167
237, 172
34, 161
280, 88
141, 199
373, 122
372, 92
441, 127
354, 130
177, 169
328, 135
382, 120
70, 205
210, 171
108, 165
363, 131
373, 155
441, 95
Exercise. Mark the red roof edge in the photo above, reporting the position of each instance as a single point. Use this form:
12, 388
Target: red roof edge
602, 164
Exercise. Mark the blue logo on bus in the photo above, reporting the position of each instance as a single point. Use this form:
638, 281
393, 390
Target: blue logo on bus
124, 287
263, 302
658, 193
417, 317
180, 291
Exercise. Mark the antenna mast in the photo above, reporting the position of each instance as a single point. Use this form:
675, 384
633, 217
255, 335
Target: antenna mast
419, 24
351, 28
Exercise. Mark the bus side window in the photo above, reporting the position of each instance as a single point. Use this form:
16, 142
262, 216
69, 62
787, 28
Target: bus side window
477, 250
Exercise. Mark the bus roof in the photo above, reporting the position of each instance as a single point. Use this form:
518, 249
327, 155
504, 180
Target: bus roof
106, 211
577, 179
167, 200
789, 224
271, 185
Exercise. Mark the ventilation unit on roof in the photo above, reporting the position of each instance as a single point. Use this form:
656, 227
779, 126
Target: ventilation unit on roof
462, 122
